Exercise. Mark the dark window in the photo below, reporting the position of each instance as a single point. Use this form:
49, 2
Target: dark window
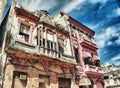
64, 83
76, 54
19, 79
40, 42
61, 49
81, 87
25, 36
89, 36
24, 32
88, 61
48, 44
51, 45
43, 42
60, 45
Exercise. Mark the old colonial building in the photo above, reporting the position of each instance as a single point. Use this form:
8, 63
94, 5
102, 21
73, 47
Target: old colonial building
41, 52
89, 73
112, 76
37, 52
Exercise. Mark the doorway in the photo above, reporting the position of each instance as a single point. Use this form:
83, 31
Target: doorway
64, 83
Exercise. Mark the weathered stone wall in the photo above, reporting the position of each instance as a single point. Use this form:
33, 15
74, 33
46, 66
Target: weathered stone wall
33, 75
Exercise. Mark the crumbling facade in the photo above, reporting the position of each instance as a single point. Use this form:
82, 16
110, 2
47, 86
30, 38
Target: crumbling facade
41, 52
38, 53
89, 73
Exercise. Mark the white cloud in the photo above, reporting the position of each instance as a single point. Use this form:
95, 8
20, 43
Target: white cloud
72, 5
117, 63
38, 4
103, 39
114, 13
115, 59
118, 11
118, 41
98, 1
109, 43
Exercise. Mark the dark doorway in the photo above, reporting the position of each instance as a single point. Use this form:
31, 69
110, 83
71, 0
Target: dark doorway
64, 83
19, 79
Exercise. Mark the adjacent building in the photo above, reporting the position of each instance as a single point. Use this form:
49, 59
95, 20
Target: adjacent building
112, 76
41, 52
2, 7
84, 49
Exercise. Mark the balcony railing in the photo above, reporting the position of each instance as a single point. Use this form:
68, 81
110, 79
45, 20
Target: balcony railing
48, 52
56, 55
67, 58
113, 84
35, 49
85, 40
93, 68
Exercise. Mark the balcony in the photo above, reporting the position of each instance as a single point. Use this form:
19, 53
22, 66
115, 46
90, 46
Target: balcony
88, 43
91, 68
67, 58
48, 52
112, 83
29, 48
56, 55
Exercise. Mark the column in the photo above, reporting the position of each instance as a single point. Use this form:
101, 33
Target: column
41, 35
56, 46
46, 50
45, 37
40, 39
30, 38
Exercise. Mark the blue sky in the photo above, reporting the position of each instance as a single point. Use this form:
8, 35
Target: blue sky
102, 16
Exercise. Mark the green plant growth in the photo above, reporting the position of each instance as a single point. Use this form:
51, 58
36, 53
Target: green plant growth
11, 36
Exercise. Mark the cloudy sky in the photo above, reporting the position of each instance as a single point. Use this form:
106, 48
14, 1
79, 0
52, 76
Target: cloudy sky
102, 16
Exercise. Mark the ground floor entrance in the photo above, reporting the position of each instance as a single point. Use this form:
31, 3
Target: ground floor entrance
44, 81
19, 79
64, 83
